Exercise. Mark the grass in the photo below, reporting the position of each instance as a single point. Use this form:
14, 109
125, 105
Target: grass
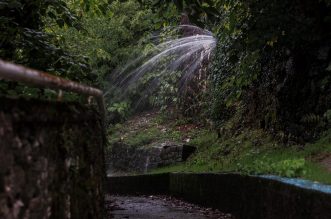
254, 152
135, 134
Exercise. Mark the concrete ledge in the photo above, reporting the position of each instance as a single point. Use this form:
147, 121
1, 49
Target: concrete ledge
243, 196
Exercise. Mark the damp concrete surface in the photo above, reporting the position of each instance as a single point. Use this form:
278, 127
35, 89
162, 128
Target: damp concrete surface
155, 207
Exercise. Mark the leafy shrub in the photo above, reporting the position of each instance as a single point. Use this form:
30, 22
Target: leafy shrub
120, 111
288, 167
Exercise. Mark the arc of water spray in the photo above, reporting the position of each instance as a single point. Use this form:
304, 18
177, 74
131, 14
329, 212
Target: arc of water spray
152, 62
187, 54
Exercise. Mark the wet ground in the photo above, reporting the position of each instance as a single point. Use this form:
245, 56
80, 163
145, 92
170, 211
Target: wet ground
155, 207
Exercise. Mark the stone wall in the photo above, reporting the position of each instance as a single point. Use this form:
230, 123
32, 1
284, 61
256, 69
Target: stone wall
51, 160
243, 196
142, 159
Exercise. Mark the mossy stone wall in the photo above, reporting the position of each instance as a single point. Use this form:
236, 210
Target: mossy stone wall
51, 160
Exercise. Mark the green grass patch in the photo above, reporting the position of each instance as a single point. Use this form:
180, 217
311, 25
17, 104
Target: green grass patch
142, 138
136, 135
254, 152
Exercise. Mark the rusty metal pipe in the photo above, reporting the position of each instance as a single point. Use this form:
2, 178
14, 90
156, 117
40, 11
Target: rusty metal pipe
13, 72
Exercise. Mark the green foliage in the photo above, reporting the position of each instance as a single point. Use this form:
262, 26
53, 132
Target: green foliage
236, 65
25, 38
254, 152
167, 93
120, 110
90, 7
200, 12
81, 40
317, 120
270, 60
110, 39
288, 168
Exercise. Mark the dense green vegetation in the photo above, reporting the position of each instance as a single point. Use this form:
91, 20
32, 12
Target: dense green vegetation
272, 66
267, 91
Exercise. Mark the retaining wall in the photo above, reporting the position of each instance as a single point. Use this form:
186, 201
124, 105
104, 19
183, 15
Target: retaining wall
140, 184
51, 160
123, 157
243, 196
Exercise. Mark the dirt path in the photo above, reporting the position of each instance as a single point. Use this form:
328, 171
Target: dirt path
155, 207
327, 163
324, 159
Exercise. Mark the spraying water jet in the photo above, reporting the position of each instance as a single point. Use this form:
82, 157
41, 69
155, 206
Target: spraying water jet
180, 53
